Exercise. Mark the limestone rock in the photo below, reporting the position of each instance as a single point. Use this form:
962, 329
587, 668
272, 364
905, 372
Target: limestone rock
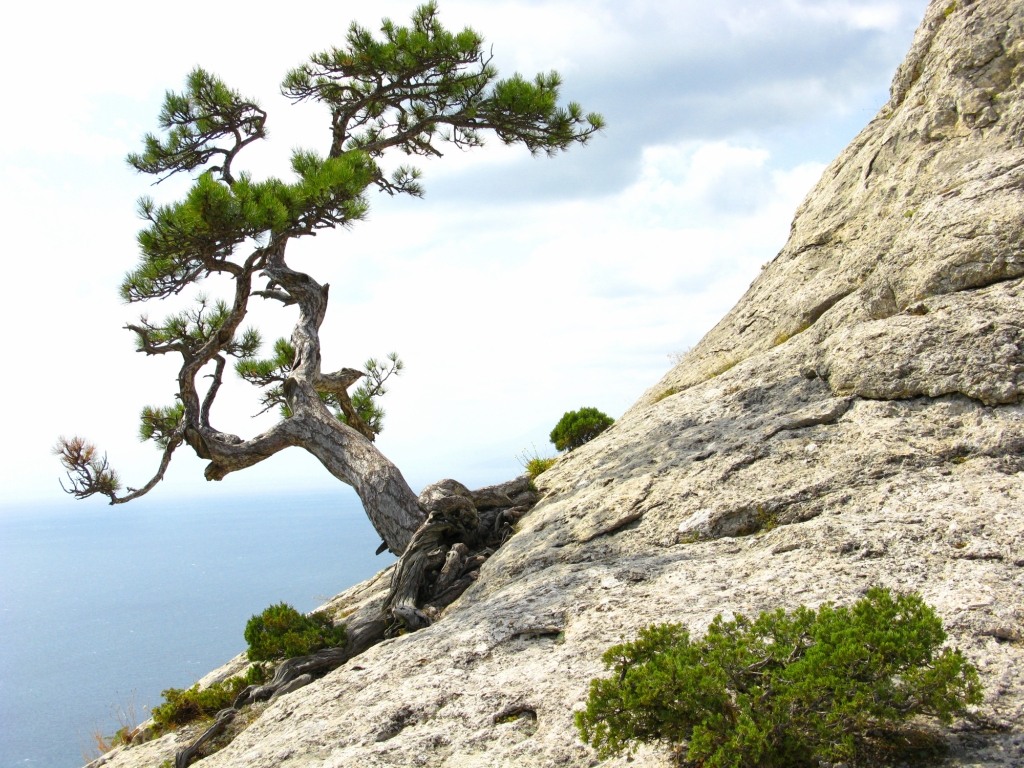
857, 419
924, 203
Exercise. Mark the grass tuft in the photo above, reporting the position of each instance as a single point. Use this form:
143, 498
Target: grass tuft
535, 464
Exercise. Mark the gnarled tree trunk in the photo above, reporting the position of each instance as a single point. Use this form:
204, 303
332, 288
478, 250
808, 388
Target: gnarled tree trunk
345, 452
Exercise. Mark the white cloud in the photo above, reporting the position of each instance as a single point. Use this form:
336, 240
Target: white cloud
504, 329
859, 14
518, 289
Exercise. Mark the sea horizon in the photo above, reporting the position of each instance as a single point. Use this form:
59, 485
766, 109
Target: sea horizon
102, 608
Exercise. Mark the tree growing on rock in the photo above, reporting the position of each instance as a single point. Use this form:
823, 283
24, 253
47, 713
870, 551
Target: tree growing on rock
408, 91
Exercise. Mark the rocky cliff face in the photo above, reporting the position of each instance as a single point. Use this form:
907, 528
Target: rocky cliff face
855, 420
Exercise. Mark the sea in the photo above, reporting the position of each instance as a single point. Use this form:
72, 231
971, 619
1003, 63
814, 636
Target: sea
103, 607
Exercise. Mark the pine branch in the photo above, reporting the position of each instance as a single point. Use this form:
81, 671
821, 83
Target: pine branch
400, 91
205, 113
88, 473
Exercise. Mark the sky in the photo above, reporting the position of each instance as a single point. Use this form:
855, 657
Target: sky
519, 288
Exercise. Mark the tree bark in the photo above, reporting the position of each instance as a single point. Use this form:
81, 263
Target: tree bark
345, 452
391, 505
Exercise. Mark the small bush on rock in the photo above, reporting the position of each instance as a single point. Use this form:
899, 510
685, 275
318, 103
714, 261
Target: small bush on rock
538, 466
578, 427
789, 689
281, 632
185, 705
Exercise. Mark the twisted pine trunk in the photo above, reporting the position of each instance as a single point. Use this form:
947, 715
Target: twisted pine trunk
389, 502
345, 452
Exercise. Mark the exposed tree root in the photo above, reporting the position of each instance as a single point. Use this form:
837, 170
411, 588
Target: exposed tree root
463, 528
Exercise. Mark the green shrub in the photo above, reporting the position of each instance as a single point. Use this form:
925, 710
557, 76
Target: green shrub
784, 690
281, 632
184, 705
578, 427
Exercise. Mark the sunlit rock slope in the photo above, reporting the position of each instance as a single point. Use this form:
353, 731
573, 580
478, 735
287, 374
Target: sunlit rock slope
855, 420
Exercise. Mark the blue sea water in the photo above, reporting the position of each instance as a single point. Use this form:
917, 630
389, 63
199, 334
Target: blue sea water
102, 608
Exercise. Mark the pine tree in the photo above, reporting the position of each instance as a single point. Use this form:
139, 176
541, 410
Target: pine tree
408, 90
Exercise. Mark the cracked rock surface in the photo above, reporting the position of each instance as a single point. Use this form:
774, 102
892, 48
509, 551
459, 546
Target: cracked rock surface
857, 419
